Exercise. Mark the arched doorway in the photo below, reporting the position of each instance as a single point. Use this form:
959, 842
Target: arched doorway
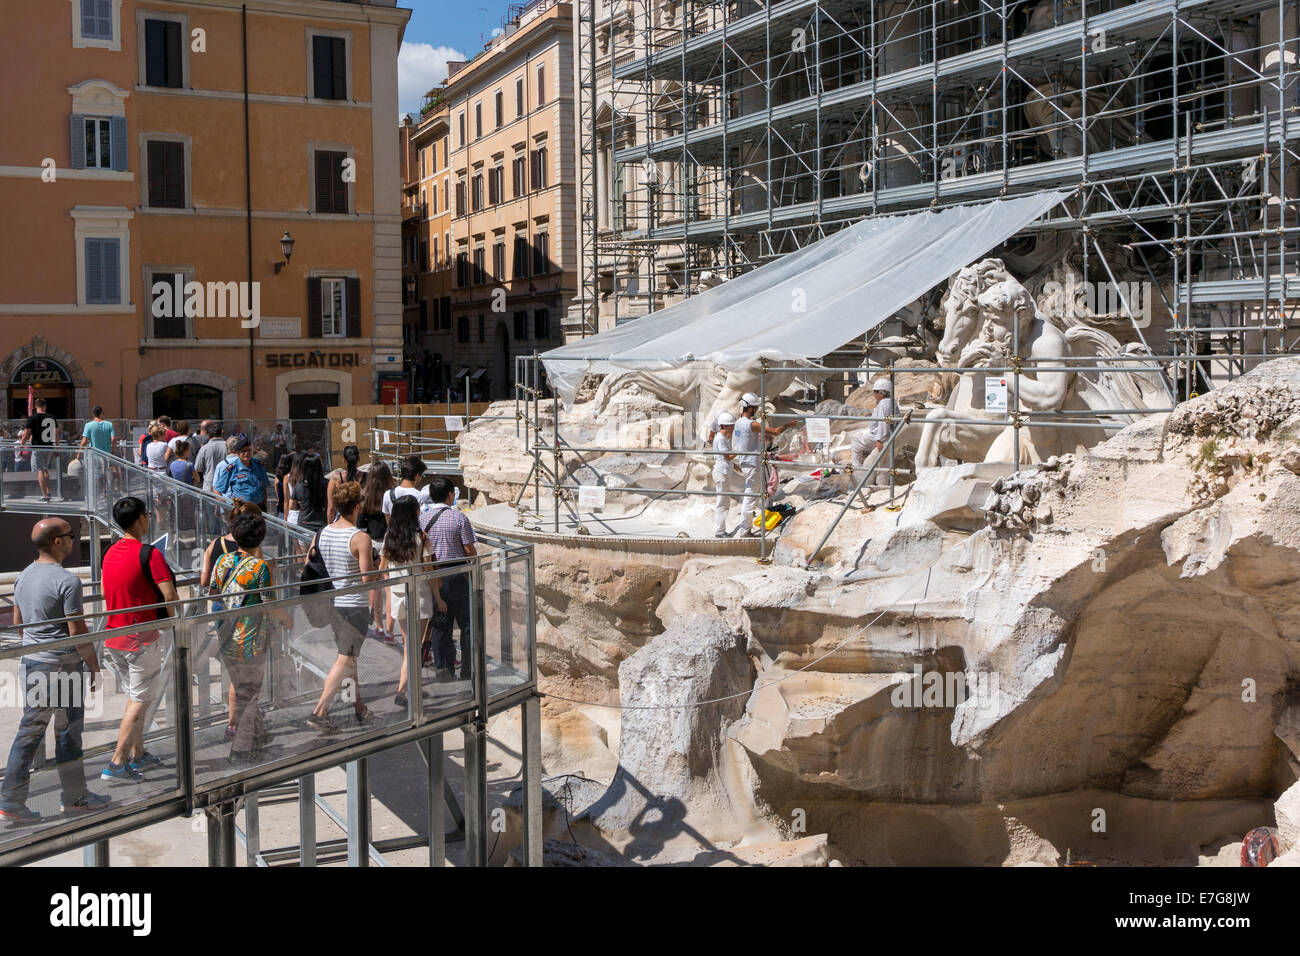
48, 380
504, 373
188, 402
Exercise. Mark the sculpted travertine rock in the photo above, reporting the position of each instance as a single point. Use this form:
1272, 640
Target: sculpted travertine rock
1099, 655
671, 758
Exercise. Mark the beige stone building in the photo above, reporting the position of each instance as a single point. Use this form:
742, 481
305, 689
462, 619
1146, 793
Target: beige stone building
513, 196
427, 250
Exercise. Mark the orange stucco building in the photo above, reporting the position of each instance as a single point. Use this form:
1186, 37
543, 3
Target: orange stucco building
155, 155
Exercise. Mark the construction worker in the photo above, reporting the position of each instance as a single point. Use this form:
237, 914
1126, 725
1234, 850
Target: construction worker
873, 437
726, 473
750, 436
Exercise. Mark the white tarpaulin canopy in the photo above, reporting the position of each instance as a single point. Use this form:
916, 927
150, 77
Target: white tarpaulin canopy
808, 303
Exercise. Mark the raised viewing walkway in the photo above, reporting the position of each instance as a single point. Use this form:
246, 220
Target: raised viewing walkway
186, 725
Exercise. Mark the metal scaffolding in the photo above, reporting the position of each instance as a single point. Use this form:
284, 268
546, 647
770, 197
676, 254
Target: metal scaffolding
719, 135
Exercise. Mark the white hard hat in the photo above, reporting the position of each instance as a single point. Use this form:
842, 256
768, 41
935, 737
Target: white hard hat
749, 398
881, 385
726, 418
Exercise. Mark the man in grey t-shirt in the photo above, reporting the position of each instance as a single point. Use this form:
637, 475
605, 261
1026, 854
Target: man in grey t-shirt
54, 679
210, 455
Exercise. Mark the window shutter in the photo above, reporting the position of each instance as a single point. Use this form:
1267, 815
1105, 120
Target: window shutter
339, 58
174, 172
324, 187
340, 187
117, 127
89, 18
155, 53
322, 74
315, 322
157, 174
172, 51
78, 140
112, 272
353, 330
94, 273
105, 27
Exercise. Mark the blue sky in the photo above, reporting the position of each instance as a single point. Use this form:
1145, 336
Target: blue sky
441, 30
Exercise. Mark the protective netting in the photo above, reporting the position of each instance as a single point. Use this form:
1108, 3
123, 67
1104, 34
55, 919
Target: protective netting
807, 303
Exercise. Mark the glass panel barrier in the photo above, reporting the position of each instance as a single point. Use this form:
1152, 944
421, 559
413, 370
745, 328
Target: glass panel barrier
447, 683
51, 480
266, 674
59, 736
506, 623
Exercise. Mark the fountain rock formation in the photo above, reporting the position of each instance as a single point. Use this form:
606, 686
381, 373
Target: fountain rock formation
1098, 655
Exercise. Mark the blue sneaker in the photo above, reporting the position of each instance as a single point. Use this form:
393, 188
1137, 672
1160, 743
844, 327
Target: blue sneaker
146, 761
86, 803
19, 817
124, 772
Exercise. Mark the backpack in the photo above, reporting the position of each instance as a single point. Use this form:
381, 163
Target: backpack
315, 576
232, 588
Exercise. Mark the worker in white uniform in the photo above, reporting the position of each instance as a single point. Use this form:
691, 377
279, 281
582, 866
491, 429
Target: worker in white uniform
750, 436
726, 474
872, 438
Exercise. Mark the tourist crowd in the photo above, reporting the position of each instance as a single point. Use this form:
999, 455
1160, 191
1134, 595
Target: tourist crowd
368, 527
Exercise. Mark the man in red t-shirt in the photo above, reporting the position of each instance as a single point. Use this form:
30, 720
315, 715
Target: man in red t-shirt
166, 422
137, 657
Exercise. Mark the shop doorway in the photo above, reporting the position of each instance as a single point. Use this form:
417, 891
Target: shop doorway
187, 403
309, 405
48, 380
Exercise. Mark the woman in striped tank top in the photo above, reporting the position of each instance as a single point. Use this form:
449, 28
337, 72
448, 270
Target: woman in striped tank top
346, 549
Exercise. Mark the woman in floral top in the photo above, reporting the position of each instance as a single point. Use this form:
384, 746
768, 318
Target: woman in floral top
243, 638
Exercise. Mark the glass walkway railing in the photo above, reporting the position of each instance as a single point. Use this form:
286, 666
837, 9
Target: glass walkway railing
209, 754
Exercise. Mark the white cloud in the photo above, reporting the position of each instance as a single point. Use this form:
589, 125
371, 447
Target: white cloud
421, 67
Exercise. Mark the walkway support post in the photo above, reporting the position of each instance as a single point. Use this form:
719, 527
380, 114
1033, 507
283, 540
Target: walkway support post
359, 813
531, 715
221, 834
